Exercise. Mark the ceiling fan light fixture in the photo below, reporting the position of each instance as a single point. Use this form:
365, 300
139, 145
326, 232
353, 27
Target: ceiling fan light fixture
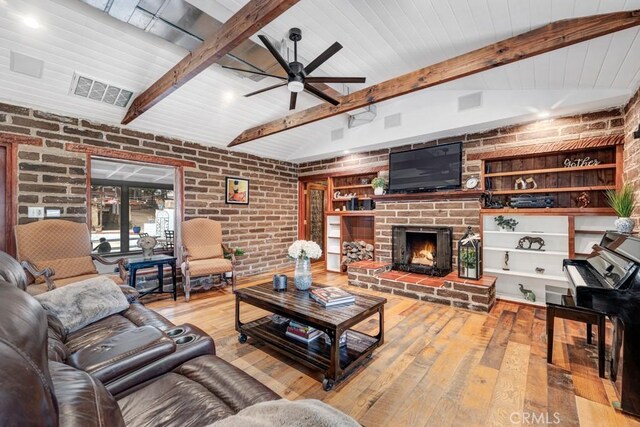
295, 86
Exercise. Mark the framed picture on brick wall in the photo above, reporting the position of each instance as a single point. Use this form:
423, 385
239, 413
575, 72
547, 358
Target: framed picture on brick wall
236, 191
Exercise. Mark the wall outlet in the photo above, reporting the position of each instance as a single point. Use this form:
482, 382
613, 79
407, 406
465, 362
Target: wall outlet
36, 212
53, 213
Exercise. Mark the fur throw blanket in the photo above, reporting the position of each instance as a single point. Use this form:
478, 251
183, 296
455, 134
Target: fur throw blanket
82, 303
286, 413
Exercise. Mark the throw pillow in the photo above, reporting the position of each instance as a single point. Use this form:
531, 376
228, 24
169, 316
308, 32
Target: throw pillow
80, 304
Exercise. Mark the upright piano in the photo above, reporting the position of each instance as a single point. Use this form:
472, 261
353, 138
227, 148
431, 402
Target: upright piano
608, 282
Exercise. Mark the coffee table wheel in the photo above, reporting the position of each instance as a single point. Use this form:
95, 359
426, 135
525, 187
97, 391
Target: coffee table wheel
327, 384
242, 338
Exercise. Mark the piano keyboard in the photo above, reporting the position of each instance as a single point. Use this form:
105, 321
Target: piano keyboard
575, 275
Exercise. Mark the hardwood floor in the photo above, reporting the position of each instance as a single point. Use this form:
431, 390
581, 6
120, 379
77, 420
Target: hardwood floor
439, 366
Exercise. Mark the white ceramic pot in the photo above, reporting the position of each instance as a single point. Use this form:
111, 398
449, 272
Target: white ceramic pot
378, 191
625, 225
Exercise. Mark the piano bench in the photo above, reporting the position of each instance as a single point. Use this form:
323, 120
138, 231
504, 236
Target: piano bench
579, 315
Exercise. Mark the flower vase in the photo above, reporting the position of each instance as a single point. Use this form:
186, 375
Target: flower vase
302, 275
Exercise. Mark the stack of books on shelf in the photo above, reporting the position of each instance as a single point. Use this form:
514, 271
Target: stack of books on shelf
301, 332
332, 296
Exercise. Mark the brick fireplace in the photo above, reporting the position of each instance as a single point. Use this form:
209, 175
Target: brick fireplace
422, 249
414, 238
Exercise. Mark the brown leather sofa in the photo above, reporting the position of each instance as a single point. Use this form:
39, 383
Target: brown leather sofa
133, 368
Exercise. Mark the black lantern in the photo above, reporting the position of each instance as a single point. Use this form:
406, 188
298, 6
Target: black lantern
470, 256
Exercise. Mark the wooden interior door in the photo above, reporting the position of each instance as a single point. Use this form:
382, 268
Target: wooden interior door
6, 202
316, 205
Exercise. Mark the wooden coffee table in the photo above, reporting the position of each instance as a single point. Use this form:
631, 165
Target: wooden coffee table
334, 360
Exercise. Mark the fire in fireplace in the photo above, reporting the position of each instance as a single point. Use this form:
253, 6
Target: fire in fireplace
422, 249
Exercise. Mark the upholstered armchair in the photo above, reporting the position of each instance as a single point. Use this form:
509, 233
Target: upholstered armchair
57, 252
203, 253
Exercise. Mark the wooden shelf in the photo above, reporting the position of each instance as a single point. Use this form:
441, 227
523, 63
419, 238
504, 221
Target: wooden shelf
596, 232
351, 213
343, 187
435, 195
548, 211
315, 354
551, 170
556, 190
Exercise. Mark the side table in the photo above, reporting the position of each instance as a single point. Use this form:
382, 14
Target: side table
136, 263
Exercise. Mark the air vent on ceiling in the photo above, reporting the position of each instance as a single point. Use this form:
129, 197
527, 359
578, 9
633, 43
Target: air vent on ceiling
27, 65
468, 102
90, 88
393, 120
337, 134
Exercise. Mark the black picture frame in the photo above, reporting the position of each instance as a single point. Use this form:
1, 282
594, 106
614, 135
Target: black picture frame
233, 189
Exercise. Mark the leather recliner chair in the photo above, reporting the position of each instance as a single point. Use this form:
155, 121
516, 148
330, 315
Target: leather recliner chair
37, 391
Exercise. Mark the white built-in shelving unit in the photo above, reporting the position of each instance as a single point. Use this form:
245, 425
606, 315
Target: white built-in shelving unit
334, 248
523, 263
565, 236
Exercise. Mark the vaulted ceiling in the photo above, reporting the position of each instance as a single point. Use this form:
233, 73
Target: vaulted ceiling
381, 38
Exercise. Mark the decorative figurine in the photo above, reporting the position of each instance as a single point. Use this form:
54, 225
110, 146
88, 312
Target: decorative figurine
531, 183
505, 264
540, 270
147, 243
531, 241
519, 184
528, 294
583, 200
508, 224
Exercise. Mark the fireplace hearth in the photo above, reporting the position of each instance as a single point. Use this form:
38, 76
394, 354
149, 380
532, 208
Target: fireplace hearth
422, 249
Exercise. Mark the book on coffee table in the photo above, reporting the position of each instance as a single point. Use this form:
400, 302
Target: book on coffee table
302, 332
331, 296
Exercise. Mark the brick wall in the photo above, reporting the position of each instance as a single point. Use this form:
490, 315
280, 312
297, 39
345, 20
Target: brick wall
52, 177
632, 149
456, 213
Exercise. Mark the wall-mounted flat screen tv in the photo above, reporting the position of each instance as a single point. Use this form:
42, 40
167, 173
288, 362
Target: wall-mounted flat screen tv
426, 169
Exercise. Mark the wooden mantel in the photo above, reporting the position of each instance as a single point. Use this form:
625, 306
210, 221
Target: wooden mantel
429, 196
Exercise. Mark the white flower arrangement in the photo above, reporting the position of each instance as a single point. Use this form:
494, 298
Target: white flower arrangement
305, 249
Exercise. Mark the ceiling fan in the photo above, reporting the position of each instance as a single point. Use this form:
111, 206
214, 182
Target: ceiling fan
298, 78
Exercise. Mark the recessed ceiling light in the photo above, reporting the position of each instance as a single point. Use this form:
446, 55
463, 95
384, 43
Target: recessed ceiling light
30, 22
346, 151
543, 114
228, 96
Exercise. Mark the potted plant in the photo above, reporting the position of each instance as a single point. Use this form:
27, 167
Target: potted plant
378, 183
468, 260
623, 203
227, 255
303, 251
505, 224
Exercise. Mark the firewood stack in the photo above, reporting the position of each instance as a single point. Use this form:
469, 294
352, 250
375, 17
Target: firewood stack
356, 251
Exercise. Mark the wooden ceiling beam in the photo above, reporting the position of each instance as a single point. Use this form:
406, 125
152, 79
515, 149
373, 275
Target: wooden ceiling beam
246, 22
547, 38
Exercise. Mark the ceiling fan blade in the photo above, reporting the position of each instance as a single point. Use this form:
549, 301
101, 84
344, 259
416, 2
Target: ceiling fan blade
265, 89
275, 53
292, 101
320, 94
331, 50
335, 79
255, 72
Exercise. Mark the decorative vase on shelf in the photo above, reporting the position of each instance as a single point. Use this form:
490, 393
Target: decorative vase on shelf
378, 191
625, 225
302, 275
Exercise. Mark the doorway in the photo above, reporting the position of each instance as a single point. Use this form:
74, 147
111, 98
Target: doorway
315, 194
7, 154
